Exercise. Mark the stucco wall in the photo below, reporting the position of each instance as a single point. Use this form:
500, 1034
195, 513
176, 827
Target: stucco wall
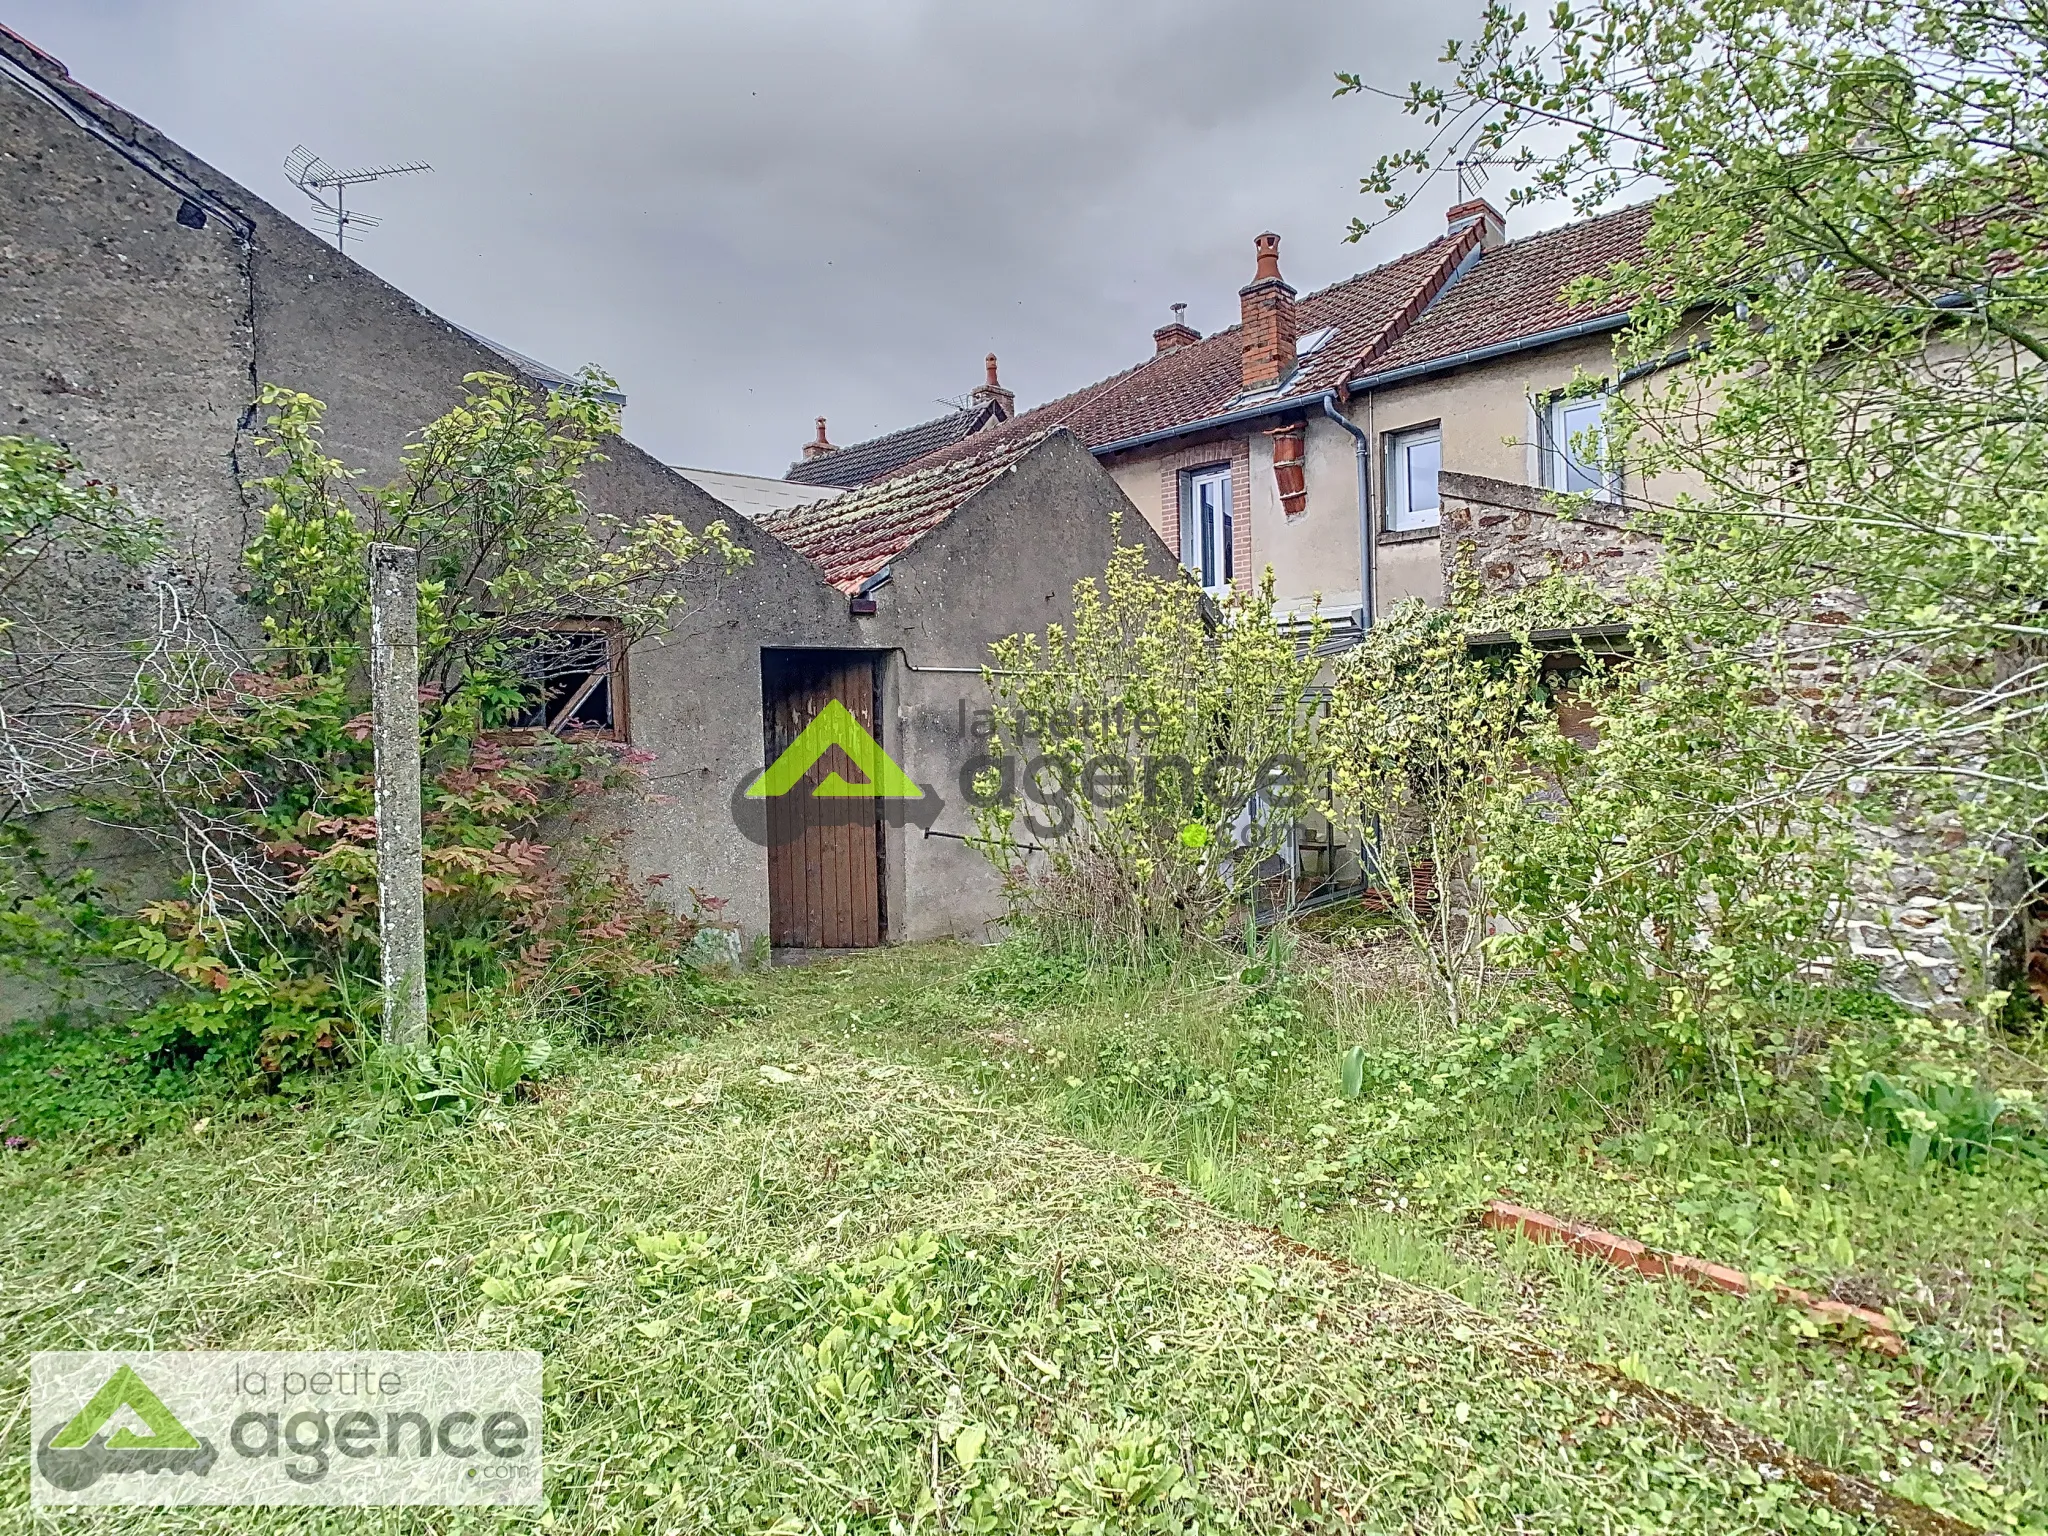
1005, 563
140, 343
1488, 428
126, 335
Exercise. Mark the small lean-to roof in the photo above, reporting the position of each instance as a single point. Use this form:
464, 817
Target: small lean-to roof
753, 495
851, 537
1515, 294
878, 457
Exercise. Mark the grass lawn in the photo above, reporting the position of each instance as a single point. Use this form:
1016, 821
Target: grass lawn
932, 1241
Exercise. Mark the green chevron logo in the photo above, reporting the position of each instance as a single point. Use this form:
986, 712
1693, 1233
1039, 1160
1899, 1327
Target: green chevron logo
80, 1453
835, 726
125, 1389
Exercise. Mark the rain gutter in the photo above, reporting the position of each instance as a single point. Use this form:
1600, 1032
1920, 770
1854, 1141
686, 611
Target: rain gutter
1572, 332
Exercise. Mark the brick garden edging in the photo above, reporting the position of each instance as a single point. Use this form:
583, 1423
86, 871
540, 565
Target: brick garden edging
1625, 1253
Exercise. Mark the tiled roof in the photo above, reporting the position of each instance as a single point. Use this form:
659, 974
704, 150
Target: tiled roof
1206, 379
851, 537
863, 463
1395, 315
1517, 291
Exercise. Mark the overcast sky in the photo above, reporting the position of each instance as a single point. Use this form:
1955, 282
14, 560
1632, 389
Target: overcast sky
756, 213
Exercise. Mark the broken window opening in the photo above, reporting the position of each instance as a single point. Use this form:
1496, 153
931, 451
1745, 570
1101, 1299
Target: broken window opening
575, 672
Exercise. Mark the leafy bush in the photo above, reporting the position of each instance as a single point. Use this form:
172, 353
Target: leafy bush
1421, 734
61, 1080
1659, 883
254, 773
1155, 754
1962, 1123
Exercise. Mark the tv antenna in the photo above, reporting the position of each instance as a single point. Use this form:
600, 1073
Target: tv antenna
320, 181
1472, 172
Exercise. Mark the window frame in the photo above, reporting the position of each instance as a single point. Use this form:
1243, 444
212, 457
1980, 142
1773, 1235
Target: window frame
1554, 446
614, 673
1396, 514
1191, 481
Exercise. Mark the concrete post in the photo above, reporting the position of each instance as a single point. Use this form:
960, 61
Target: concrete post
395, 730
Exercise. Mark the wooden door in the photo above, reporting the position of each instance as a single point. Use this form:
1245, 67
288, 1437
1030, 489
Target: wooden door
824, 855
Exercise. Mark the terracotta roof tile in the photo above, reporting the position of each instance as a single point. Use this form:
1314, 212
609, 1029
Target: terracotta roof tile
1517, 291
1395, 315
861, 463
1205, 379
851, 537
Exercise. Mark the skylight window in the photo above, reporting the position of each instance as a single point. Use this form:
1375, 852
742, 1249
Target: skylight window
1314, 339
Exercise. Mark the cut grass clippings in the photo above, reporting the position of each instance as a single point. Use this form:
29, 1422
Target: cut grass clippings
819, 1290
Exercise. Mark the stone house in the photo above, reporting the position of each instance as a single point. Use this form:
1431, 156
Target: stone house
148, 297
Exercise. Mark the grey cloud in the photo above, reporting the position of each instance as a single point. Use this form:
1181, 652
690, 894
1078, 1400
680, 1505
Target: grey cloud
755, 214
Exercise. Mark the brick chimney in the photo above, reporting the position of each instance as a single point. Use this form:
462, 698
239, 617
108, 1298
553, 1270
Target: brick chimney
1493, 228
1268, 309
1170, 338
993, 392
819, 447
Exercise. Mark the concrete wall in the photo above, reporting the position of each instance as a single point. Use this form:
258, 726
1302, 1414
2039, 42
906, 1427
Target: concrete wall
140, 343
1005, 563
126, 335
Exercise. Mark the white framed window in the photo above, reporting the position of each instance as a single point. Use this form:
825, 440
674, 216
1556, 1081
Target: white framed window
1413, 459
1573, 444
1205, 527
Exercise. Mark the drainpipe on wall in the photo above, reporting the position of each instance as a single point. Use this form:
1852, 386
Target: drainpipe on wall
1361, 445
1361, 451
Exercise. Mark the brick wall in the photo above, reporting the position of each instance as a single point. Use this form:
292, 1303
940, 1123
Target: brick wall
1238, 454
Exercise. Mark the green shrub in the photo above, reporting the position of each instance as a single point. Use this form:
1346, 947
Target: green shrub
1934, 1115
59, 1079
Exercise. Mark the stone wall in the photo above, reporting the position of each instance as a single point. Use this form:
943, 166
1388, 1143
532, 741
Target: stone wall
1925, 917
1511, 535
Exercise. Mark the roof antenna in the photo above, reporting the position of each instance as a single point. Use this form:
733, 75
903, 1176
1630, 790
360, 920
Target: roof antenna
314, 176
1472, 174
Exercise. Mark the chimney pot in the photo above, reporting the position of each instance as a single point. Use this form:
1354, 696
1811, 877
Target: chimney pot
1267, 312
1493, 231
1268, 247
819, 446
993, 393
